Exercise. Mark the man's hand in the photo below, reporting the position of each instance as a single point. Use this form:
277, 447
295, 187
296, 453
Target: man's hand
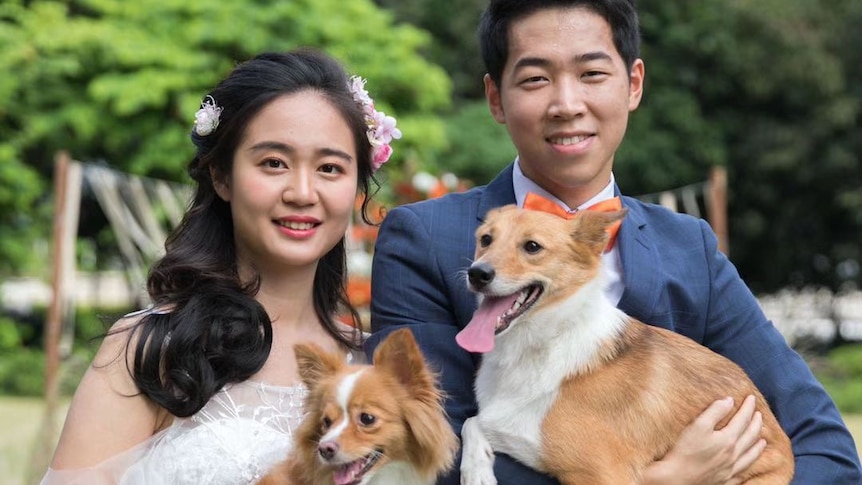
705, 455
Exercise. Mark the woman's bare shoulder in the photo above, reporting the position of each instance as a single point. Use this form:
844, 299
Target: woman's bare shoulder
108, 413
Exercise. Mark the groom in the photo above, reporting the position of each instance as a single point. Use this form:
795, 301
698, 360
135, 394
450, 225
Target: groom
563, 76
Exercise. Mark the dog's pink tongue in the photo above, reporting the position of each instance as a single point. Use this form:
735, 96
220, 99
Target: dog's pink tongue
346, 473
478, 335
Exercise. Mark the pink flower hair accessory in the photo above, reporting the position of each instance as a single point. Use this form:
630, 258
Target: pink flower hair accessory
207, 118
381, 128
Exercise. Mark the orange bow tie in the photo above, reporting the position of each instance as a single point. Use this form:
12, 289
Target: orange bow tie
537, 202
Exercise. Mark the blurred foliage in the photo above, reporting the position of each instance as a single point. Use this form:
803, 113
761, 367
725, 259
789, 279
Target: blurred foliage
768, 96
10, 334
22, 373
22, 368
455, 46
478, 147
120, 81
770, 89
841, 374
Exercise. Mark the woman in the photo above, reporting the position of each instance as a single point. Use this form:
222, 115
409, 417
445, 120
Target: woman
202, 387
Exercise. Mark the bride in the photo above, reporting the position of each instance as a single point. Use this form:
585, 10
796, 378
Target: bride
202, 387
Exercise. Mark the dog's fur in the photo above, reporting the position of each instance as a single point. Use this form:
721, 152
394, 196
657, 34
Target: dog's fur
380, 424
573, 386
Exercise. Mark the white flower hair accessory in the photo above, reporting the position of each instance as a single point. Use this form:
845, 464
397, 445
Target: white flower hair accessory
381, 128
207, 118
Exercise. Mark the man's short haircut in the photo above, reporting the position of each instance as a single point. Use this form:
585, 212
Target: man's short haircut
496, 21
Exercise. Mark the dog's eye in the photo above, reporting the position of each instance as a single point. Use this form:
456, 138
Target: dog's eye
326, 422
367, 419
532, 247
485, 240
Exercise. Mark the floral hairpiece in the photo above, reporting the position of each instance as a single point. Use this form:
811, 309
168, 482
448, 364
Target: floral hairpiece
381, 128
207, 118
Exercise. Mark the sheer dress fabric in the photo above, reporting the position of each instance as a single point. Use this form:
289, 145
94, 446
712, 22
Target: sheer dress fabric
243, 431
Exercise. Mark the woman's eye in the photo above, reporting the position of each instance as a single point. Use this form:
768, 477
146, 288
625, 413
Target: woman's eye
273, 163
331, 168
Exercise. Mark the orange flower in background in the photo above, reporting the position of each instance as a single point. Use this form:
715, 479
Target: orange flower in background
439, 190
364, 233
359, 291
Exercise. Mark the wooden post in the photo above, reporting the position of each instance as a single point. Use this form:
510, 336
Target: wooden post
55, 312
717, 207
67, 179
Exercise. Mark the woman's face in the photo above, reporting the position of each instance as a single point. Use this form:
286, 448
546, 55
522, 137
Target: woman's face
293, 183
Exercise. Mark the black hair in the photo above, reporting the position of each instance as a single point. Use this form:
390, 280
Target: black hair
497, 19
208, 329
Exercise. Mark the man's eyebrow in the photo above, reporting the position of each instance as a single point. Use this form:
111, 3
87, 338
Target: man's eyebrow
531, 62
579, 59
593, 56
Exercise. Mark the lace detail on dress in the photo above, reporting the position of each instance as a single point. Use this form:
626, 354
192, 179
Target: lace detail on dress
238, 436
243, 431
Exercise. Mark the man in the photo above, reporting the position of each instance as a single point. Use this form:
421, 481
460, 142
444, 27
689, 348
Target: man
563, 77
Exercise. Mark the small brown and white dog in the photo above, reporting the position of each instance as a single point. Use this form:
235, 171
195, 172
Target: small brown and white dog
569, 384
380, 424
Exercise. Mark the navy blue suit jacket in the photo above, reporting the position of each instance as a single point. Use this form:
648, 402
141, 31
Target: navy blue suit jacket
674, 277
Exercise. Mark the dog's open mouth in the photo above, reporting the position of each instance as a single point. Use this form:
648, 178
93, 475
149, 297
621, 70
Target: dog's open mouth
524, 300
353, 472
494, 316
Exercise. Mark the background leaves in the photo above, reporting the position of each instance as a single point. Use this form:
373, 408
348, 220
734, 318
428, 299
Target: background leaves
769, 89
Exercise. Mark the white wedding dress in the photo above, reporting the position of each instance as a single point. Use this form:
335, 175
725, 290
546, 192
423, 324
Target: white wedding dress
242, 432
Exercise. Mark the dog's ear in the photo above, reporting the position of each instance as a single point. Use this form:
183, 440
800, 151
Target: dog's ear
400, 356
314, 363
435, 442
590, 227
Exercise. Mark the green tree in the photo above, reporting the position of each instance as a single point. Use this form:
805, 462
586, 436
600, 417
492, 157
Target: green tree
453, 26
120, 81
766, 95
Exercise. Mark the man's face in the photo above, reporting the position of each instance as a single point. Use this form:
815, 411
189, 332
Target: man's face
565, 95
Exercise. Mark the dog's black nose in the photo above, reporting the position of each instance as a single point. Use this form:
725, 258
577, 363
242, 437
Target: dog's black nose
328, 449
480, 274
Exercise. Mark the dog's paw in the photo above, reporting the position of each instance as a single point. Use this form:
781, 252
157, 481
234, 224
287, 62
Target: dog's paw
474, 477
477, 457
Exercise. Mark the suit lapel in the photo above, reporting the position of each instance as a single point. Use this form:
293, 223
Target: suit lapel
638, 257
497, 193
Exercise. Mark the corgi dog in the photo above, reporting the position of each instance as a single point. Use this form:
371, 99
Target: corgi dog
569, 384
380, 424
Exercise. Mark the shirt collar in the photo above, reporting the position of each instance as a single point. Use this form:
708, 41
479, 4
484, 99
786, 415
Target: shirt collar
523, 185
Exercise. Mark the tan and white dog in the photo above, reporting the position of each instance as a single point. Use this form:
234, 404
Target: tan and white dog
569, 384
380, 424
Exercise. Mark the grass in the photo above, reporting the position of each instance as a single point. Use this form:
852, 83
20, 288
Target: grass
854, 423
24, 455
21, 425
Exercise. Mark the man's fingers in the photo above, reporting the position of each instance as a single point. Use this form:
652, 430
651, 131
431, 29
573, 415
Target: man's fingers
751, 434
742, 419
716, 411
749, 457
